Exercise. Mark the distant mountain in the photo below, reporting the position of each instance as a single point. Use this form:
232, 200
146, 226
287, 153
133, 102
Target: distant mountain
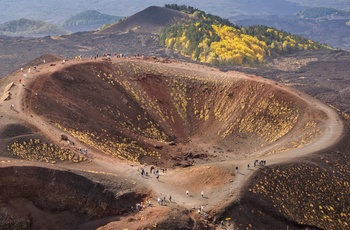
337, 4
322, 12
150, 20
30, 28
56, 11
325, 25
91, 19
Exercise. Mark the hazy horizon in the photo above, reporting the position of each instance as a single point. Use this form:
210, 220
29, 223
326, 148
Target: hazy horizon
56, 12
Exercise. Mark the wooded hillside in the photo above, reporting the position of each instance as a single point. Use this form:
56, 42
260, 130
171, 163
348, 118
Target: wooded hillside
211, 39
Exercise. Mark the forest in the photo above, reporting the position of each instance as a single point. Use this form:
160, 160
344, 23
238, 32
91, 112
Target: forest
211, 39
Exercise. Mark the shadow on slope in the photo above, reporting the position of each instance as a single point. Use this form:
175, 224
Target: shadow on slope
40, 198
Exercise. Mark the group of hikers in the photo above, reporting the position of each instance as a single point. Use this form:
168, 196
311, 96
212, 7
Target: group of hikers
256, 163
109, 55
152, 170
261, 162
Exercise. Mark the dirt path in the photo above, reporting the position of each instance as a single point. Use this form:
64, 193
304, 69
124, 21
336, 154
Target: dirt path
218, 180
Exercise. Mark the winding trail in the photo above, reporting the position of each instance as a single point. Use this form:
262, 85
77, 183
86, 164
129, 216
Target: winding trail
173, 182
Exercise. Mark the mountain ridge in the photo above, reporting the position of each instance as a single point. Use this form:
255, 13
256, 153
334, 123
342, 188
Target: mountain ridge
89, 20
30, 28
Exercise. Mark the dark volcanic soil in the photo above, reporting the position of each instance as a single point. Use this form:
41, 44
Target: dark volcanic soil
37, 198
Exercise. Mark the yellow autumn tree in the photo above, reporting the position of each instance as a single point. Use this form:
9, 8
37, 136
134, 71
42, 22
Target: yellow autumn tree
235, 47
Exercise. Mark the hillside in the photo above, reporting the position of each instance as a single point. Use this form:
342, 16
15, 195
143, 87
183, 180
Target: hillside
30, 28
151, 20
211, 39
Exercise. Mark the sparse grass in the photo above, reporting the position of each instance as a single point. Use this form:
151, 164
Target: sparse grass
36, 150
309, 194
119, 147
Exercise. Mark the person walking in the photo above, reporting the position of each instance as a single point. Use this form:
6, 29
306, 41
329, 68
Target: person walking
202, 193
187, 193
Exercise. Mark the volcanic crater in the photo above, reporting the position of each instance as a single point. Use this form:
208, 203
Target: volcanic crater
144, 111
135, 113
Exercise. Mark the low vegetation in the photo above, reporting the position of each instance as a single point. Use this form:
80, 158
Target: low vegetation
36, 150
117, 146
306, 193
